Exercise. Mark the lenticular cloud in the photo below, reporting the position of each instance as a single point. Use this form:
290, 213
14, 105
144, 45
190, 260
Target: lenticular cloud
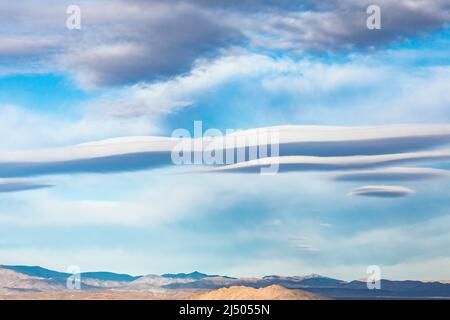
301, 148
382, 191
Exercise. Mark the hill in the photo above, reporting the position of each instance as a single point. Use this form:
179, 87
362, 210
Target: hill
273, 292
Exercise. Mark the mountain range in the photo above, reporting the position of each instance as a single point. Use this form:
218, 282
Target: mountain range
35, 282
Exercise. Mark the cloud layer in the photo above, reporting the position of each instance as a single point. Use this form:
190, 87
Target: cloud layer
382, 191
300, 148
126, 42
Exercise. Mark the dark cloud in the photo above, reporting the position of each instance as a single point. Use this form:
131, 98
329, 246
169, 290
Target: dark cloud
108, 164
16, 186
331, 26
382, 191
145, 41
123, 42
120, 42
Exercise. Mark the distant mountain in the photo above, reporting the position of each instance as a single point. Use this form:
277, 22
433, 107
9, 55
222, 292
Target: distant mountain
206, 283
293, 282
35, 271
29, 279
40, 272
193, 275
109, 276
12, 281
394, 289
273, 292
312, 280
155, 281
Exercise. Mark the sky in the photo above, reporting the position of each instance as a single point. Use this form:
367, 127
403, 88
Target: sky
363, 116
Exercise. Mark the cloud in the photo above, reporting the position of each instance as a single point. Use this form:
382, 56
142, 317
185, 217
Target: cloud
307, 248
20, 185
139, 153
326, 225
394, 174
140, 205
34, 129
309, 163
302, 244
148, 41
397, 244
121, 42
401, 248
382, 191
25, 47
170, 96
341, 25
129, 42
355, 89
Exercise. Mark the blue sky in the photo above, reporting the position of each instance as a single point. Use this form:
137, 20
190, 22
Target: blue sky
158, 66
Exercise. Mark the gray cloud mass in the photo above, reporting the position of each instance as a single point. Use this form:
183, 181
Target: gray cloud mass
127, 42
382, 191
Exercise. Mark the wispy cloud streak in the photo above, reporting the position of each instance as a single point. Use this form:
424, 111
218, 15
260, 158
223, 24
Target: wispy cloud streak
301, 148
7, 186
382, 191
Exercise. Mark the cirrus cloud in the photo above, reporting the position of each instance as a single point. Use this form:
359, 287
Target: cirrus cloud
326, 148
394, 174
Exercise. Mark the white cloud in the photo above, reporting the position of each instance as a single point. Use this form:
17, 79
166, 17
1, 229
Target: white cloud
413, 96
142, 206
326, 225
29, 129
398, 244
310, 163
182, 91
341, 25
356, 89
146, 152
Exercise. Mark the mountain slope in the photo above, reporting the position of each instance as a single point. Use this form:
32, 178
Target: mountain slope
12, 281
109, 276
312, 280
